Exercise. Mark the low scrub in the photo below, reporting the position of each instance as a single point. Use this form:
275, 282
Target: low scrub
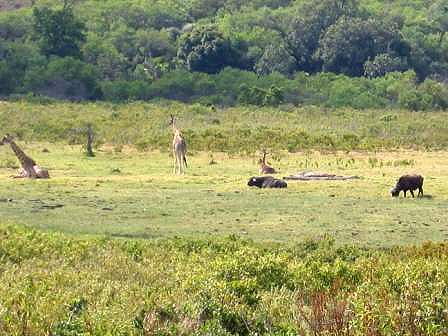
59, 285
235, 130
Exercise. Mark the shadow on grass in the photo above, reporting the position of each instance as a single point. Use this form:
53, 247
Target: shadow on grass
427, 197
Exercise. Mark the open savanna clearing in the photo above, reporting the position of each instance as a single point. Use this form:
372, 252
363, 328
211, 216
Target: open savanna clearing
135, 194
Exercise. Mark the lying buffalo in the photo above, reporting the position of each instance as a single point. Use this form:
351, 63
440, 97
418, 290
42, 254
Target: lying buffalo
266, 182
408, 182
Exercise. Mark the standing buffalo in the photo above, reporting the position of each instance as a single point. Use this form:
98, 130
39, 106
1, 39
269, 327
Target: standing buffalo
266, 182
408, 182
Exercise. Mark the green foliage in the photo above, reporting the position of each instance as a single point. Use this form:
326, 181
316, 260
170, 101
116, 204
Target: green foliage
60, 33
350, 42
306, 30
95, 287
64, 78
14, 25
182, 85
437, 92
383, 64
16, 59
232, 86
123, 91
205, 49
106, 58
107, 16
149, 45
257, 96
438, 16
275, 59
235, 130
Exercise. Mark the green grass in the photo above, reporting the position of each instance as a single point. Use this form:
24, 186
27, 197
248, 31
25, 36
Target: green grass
145, 200
212, 256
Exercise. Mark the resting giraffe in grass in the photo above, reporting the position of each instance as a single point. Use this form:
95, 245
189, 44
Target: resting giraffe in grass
29, 167
264, 168
179, 148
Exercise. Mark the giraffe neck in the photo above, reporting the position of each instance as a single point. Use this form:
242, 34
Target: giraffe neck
23, 158
177, 133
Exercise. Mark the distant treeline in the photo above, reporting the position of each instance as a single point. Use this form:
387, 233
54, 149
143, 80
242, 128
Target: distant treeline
358, 53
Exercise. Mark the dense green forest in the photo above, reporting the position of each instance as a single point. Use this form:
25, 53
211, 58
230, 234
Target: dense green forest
358, 53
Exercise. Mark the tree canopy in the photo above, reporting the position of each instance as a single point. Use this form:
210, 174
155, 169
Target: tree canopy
58, 31
138, 44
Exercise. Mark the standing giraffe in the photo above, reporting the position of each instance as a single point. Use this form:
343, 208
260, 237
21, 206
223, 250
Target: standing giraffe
179, 148
29, 167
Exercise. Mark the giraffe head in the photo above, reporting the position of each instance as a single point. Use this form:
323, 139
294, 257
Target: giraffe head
172, 121
263, 160
7, 139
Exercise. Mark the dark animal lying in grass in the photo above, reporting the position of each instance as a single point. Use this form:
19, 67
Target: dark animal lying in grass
408, 182
266, 182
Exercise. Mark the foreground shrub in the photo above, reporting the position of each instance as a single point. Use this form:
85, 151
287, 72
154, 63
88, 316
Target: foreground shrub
52, 284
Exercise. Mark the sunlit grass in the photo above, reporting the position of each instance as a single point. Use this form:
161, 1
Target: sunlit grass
135, 194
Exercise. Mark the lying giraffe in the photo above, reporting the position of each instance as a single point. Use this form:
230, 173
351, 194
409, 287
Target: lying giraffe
264, 168
179, 148
29, 166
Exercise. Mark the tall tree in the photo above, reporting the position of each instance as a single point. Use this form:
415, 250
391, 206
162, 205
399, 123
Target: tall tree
438, 16
350, 42
275, 59
58, 30
383, 64
205, 49
313, 20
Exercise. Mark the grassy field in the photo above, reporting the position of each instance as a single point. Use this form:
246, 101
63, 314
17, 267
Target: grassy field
135, 194
119, 245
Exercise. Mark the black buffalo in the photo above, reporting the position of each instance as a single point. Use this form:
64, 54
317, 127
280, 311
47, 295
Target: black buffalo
266, 182
408, 182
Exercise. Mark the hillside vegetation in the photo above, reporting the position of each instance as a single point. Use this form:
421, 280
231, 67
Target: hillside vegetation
358, 53
13, 4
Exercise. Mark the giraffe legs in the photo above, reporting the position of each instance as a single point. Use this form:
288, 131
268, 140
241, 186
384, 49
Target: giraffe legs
34, 172
21, 173
179, 163
41, 173
175, 163
182, 163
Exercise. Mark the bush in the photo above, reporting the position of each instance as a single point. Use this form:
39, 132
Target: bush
235, 130
122, 91
59, 285
64, 78
182, 85
257, 96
